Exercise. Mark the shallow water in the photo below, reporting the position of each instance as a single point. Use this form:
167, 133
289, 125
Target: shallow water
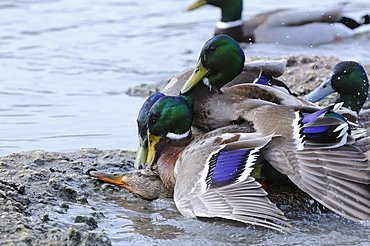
65, 67
132, 221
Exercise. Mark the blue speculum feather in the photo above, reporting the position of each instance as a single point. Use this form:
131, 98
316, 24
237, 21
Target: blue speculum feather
316, 129
310, 117
226, 166
262, 80
322, 133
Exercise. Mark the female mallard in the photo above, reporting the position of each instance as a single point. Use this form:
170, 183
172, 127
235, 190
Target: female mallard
143, 182
301, 133
283, 26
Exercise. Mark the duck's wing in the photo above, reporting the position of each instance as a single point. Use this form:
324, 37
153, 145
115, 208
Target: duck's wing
252, 70
296, 17
303, 27
338, 179
322, 161
176, 82
212, 180
237, 104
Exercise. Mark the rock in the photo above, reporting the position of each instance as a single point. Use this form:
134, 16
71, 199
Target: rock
32, 198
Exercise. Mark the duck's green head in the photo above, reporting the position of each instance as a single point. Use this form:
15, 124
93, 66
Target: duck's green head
142, 125
231, 9
349, 79
170, 118
220, 61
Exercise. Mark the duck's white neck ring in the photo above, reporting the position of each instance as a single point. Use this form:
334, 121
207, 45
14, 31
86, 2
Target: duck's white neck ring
229, 24
175, 136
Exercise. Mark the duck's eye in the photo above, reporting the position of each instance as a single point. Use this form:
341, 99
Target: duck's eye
212, 48
140, 166
153, 118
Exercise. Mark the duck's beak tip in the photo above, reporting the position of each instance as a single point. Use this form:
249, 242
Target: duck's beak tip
111, 178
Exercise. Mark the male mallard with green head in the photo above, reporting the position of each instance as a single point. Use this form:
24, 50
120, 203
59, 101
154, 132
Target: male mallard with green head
349, 80
220, 60
284, 26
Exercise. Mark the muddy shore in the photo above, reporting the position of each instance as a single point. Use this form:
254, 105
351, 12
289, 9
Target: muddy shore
37, 188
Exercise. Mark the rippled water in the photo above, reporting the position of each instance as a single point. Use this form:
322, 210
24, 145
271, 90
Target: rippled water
66, 64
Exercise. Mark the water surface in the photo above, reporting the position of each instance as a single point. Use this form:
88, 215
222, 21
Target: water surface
66, 64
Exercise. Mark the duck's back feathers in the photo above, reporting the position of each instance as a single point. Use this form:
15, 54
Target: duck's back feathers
235, 105
297, 17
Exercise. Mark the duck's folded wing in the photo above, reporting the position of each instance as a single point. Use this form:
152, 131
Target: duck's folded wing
245, 202
213, 181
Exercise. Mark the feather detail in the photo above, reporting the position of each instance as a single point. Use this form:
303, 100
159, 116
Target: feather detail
243, 201
338, 178
324, 128
328, 167
213, 180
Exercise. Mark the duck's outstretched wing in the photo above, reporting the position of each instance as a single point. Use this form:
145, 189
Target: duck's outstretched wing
337, 178
323, 162
213, 180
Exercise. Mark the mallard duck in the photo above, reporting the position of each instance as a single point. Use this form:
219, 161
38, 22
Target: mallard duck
284, 26
302, 131
220, 60
310, 134
251, 72
209, 176
349, 80
271, 69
